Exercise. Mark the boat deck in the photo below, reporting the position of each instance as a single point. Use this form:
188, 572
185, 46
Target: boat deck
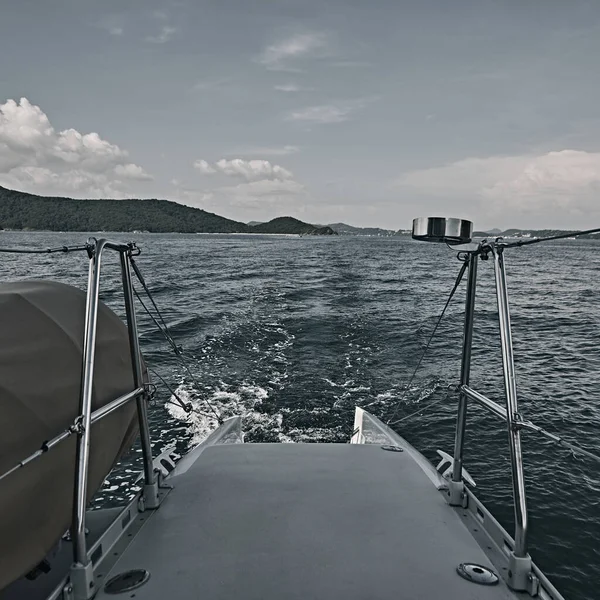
304, 521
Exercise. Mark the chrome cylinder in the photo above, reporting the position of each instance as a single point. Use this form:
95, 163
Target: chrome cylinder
465, 368
136, 362
441, 229
85, 408
512, 410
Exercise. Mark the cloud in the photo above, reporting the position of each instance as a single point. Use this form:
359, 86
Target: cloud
329, 113
268, 150
131, 171
291, 88
165, 34
265, 186
564, 182
112, 24
204, 167
276, 57
36, 157
258, 194
251, 170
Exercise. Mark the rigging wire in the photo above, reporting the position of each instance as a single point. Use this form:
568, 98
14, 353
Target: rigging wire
423, 354
562, 442
562, 236
186, 406
530, 426
164, 329
63, 249
421, 410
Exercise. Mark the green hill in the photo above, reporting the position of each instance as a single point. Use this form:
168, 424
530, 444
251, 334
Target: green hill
291, 225
19, 210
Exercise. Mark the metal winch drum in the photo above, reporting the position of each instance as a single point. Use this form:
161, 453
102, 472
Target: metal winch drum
441, 229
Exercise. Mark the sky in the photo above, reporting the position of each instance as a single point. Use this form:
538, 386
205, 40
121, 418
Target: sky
365, 112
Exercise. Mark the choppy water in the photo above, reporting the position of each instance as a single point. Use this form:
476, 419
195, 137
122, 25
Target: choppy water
293, 333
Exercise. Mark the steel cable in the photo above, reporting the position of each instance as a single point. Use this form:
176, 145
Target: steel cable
164, 329
424, 353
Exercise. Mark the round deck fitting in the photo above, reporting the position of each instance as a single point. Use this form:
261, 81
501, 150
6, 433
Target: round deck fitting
391, 448
477, 574
126, 581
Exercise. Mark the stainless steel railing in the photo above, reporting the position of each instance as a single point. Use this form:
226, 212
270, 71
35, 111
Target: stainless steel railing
82, 570
520, 573
81, 575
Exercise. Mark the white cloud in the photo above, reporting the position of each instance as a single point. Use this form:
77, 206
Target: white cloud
251, 170
204, 167
164, 35
565, 182
131, 171
291, 88
329, 113
266, 186
268, 150
36, 157
112, 24
277, 56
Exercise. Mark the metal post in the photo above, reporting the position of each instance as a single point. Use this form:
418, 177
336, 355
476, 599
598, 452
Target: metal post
520, 564
81, 571
456, 486
150, 481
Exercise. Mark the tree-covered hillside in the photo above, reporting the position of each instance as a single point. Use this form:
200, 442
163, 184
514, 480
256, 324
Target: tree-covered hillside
291, 225
19, 210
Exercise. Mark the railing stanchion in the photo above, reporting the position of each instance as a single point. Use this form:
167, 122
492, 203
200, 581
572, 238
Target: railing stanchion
150, 481
456, 485
520, 561
82, 570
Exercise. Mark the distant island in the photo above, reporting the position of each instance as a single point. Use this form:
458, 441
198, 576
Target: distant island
344, 229
531, 233
22, 211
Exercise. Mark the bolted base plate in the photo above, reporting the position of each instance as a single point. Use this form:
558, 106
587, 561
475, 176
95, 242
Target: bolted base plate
477, 574
127, 581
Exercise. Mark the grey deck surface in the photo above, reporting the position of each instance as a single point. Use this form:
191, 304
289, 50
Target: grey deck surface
306, 522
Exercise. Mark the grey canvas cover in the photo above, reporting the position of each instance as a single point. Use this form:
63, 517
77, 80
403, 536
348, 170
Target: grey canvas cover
41, 340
